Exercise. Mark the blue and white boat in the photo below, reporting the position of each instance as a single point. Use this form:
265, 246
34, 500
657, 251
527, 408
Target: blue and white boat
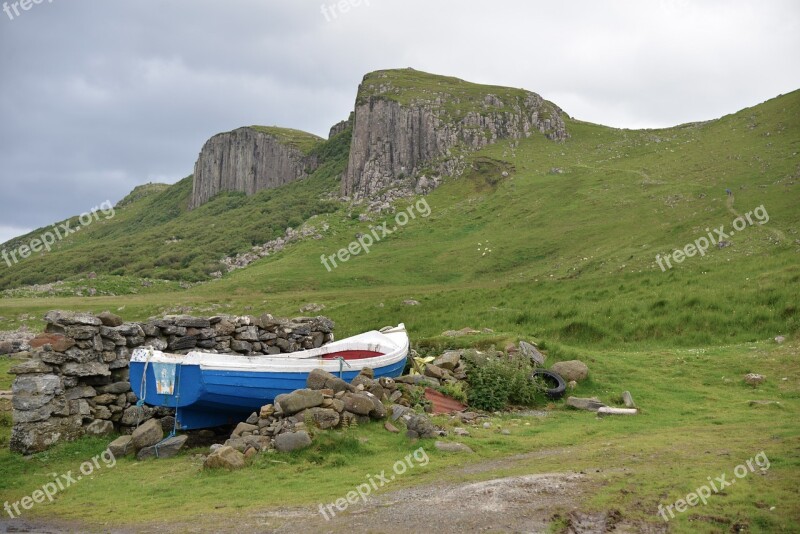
210, 390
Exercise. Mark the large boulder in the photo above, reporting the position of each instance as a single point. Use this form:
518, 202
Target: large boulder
292, 441
572, 370
300, 400
224, 457
149, 433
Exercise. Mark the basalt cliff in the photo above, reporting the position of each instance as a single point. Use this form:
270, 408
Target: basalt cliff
407, 130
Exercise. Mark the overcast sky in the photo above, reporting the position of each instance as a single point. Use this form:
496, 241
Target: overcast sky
101, 96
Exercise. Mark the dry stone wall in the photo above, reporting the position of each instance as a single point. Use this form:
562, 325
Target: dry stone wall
75, 380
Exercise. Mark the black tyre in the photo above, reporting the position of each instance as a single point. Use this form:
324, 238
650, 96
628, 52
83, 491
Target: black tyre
554, 379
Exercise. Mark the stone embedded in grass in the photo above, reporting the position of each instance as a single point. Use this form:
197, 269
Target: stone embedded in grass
627, 399
592, 404
121, 447
754, 379
292, 441
572, 370
451, 446
225, 457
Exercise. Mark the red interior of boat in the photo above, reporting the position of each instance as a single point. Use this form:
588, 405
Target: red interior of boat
352, 354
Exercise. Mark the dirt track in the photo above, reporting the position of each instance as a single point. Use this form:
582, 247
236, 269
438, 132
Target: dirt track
526, 503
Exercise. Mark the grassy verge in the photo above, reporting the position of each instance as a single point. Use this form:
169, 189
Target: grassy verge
696, 422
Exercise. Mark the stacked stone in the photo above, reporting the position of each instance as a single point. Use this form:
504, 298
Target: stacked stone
76, 379
327, 402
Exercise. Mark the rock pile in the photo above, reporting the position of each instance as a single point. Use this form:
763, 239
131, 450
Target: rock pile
327, 402
76, 378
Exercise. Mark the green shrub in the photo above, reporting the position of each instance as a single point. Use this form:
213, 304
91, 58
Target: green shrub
454, 390
495, 382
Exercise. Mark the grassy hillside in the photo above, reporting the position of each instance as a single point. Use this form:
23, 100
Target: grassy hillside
152, 234
544, 241
556, 241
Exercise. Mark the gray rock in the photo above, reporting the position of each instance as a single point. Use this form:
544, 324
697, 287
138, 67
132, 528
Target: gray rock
627, 399
225, 457
115, 388
85, 369
300, 400
37, 437
292, 441
121, 447
421, 425
34, 366
398, 410
324, 418
357, 403
449, 360
530, 351
32, 392
149, 433
67, 318
80, 392
754, 379
166, 449
253, 419
451, 446
99, 427
591, 404
243, 427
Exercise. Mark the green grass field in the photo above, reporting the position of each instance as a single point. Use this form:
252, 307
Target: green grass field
561, 251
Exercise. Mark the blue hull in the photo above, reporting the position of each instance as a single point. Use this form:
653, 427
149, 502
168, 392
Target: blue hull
209, 398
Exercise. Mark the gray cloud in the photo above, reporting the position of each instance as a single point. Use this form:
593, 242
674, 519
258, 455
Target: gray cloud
101, 97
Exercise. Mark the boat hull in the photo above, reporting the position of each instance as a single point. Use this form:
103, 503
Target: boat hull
211, 390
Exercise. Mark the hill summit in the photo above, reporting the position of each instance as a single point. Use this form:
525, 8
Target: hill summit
406, 125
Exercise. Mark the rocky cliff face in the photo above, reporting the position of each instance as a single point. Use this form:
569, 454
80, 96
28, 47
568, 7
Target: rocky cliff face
407, 122
248, 160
